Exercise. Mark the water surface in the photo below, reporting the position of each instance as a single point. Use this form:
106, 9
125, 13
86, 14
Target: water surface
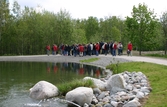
16, 78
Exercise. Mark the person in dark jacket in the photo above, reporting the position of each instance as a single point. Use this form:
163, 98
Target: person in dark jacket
106, 48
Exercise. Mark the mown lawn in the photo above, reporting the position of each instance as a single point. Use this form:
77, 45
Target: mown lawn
157, 76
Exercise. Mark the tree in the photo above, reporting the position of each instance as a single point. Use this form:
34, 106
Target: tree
111, 29
78, 35
91, 27
64, 27
4, 17
141, 27
163, 20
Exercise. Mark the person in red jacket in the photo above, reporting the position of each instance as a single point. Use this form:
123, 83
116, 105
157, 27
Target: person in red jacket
48, 50
81, 49
130, 47
114, 48
54, 49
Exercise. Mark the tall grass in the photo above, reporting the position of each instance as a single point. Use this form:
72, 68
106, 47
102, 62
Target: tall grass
157, 76
68, 86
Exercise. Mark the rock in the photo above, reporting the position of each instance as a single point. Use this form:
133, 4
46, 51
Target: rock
114, 103
86, 105
133, 103
140, 94
116, 81
97, 82
96, 91
43, 90
120, 104
108, 105
102, 95
94, 100
80, 95
129, 87
145, 89
106, 99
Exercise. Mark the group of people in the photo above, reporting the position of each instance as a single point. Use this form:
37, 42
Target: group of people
54, 49
90, 49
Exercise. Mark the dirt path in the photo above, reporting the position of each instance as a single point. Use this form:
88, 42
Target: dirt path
104, 60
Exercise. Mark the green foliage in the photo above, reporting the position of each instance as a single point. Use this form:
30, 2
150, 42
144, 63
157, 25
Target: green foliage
27, 31
142, 28
163, 20
111, 29
68, 86
79, 35
91, 27
114, 67
64, 28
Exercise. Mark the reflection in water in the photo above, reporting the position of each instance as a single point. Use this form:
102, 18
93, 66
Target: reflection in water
79, 69
16, 78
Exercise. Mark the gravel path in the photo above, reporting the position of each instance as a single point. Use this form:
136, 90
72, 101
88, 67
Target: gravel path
104, 60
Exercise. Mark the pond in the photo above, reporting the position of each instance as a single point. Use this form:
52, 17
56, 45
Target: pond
16, 78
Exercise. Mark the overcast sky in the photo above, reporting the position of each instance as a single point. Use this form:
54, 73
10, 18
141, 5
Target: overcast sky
97, 8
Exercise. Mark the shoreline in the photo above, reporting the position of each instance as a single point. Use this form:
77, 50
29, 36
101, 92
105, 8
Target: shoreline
102, 62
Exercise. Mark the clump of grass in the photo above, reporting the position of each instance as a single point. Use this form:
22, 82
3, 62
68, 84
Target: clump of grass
89, 60
157, 55
68, 86
114, 66
157, 77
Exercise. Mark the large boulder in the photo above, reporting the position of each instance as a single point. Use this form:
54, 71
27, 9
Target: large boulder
116, 82
80, 95
43, 90
97, 82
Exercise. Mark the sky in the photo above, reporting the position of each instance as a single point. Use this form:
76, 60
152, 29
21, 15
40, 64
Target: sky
96, 8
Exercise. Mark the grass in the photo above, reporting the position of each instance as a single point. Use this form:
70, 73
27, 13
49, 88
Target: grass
157, 55
157, 76
89, 60
68, 86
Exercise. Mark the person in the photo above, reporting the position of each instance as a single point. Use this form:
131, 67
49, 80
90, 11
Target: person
120, 47
75, 48
85, 49
114, 48
129, 47
54, 49
91, 48
97, 47
61, 49
65, 50
48, 50
111, 47
106, 48
81, 50
101, 51
69, 50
